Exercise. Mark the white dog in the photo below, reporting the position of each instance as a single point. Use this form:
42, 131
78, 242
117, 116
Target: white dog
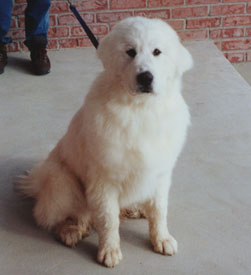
121, 146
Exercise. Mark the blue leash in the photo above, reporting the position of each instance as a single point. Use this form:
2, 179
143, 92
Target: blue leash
84, 25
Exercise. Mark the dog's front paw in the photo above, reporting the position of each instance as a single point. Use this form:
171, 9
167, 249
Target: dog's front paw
109, 256
167, 246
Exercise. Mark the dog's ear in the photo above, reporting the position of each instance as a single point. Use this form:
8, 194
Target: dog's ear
185, 61
104, 49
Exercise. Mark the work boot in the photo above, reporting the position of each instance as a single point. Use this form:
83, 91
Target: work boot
3, 57
40, 60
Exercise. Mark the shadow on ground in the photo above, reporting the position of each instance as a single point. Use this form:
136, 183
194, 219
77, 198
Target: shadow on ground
20, 64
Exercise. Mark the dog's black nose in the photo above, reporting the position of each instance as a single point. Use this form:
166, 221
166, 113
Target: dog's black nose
145, 79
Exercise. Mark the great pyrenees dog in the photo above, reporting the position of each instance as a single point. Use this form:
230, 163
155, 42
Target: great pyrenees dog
121, 146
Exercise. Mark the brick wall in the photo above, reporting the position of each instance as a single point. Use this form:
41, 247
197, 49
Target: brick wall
226, 22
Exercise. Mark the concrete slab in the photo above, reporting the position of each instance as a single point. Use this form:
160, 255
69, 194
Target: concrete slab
210, 200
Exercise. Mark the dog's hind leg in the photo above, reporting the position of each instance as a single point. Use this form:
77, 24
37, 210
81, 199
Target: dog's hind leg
60, 203
72, 230
133, 212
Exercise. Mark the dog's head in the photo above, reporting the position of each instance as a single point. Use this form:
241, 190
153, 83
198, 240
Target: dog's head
145, 54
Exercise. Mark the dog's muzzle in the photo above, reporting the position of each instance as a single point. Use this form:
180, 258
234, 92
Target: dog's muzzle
144, 82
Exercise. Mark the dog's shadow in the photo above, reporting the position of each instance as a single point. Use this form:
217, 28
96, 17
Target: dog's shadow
16, 214
20, 64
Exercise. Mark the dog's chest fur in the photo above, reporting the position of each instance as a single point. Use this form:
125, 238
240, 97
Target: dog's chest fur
135, 145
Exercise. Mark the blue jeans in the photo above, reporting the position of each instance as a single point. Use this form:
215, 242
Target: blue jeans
36, 19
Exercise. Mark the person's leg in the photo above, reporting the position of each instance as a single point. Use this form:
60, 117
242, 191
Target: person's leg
36, 20
5, 21
36, 30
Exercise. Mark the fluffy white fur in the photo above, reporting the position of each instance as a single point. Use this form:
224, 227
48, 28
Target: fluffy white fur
121, 146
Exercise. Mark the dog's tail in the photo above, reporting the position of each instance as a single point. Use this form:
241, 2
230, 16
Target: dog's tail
28, 185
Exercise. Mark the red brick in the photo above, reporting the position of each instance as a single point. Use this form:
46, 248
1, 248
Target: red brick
18, 9
70, 19
17, 34
59, 32
231, 1
13, 47
176, 24
96, 29
218, 44
228, 9
248, 56
13, 22
163, 14
190, 12
52, 44
99, 29
68, 43
237, 20
21, 21
236, 45
193, 2
91, 5
203, 23
108, 17
235, 57
248, 32
53, 20
128, 4
112, 25
229, 33
59, 7
193, 35
84, 42
249, 8
226, 33
164, 3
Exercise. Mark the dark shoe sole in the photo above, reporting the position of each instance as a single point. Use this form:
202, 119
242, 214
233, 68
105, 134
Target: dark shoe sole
41, 72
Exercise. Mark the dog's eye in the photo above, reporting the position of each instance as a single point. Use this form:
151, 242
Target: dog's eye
132, 53
156, 52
